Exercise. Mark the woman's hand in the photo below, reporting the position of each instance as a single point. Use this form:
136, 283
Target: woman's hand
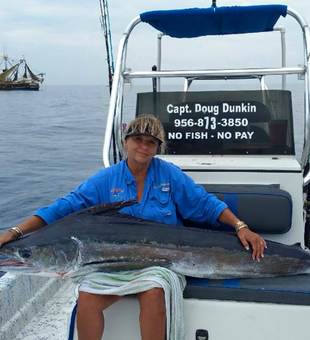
6, 237
258, 244
30, 225
245, 235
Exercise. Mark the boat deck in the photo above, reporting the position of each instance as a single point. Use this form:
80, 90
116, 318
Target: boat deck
35, 308
52, 321
45, 315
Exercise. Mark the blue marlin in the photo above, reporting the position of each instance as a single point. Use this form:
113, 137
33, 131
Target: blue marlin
102, 239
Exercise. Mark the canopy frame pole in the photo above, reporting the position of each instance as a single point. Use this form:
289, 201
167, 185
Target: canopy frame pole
117, 93
159, 54
114, 113
306, 37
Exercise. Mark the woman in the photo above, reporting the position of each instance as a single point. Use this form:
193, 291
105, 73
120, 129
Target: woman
164, 194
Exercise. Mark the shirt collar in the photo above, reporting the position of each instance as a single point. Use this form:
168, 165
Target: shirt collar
150, 170
129, 177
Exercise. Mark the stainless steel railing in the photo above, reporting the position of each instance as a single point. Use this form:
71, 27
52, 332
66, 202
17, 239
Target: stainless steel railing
114, 119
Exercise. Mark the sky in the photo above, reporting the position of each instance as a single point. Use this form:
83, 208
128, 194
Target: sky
63, 38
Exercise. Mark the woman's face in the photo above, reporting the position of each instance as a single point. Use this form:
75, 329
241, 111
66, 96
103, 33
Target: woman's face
141, 149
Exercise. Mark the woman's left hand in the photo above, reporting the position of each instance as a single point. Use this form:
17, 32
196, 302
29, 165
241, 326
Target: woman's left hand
258, 244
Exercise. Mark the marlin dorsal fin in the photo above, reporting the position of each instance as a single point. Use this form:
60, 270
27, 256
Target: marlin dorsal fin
106, 208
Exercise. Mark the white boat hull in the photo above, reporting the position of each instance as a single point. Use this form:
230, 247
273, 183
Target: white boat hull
47, 314
222, 320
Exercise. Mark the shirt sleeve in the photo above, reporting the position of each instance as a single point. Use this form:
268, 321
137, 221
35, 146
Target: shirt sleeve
193, 202
86, 195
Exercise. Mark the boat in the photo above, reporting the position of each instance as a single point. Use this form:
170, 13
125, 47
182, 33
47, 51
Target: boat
240, 144
18, 75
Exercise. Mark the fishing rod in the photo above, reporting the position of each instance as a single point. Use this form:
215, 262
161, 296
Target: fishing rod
105, 25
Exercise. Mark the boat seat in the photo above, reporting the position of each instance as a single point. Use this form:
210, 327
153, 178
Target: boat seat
292, 290
250, 203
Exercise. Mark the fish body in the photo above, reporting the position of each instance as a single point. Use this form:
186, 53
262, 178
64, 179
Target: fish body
102, 239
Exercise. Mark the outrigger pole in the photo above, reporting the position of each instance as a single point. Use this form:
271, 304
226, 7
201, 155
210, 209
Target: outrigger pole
105, 25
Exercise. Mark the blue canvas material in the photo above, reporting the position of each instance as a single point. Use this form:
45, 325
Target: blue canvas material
196, 22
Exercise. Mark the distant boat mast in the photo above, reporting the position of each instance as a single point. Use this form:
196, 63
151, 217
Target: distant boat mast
105, 25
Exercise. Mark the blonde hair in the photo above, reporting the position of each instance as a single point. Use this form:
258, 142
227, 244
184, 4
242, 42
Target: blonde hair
150, 126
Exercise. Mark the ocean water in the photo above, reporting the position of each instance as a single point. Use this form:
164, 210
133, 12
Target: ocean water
51, 140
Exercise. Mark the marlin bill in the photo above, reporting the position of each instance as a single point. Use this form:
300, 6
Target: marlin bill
102, 239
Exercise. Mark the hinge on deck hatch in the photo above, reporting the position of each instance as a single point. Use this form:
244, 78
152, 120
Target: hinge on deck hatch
202, 334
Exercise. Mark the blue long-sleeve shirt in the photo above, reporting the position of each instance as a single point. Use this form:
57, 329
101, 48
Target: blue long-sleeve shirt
169, 195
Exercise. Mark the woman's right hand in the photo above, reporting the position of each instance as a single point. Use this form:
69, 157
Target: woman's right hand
6, 237
32, 224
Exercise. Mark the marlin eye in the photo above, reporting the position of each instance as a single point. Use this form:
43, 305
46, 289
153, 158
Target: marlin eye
25, 253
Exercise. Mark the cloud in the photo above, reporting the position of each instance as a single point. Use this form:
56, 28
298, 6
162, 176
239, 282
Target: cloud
46, 9
59, 35
43, 15
49, 38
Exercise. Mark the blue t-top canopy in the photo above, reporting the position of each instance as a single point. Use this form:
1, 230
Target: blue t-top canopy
195, 22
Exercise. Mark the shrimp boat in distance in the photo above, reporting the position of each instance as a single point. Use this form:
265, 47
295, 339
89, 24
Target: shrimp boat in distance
18, 75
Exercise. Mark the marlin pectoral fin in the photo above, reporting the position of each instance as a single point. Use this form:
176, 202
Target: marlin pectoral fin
128, 264
107, 208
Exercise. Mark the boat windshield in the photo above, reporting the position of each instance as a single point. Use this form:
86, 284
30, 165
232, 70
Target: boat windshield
223, 122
